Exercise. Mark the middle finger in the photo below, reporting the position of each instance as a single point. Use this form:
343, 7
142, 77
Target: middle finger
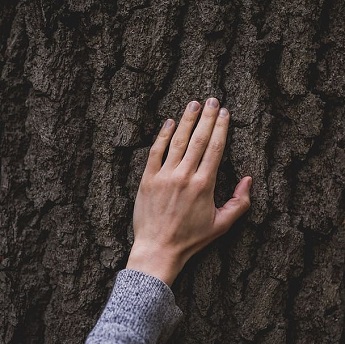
201, 136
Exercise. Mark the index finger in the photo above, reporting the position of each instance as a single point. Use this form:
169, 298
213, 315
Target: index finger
180, 139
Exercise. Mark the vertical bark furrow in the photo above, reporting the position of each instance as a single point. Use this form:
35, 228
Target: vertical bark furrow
85, 87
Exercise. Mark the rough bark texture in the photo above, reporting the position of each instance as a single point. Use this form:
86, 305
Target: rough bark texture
86, 84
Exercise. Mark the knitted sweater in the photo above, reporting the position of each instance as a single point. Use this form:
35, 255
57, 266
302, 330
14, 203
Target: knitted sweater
141, 309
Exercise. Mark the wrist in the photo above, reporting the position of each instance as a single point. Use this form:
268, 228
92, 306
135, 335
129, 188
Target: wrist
161, 263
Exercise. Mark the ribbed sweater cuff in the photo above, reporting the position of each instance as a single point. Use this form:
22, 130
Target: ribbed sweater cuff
142, 303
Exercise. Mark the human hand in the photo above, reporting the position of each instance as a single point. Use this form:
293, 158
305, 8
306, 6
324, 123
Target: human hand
174, 213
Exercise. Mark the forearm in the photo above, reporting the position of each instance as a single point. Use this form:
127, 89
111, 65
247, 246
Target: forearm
141, 308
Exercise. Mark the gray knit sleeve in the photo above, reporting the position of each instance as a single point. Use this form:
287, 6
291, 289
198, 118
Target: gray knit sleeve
141, 309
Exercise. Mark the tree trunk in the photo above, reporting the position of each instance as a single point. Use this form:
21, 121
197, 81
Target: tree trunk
85, 86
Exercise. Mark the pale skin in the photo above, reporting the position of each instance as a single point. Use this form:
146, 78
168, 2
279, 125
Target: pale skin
174, 214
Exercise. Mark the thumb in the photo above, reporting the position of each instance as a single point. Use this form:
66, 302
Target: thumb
234, 207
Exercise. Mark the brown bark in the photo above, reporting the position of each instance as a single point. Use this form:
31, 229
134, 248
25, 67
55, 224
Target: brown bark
85, 86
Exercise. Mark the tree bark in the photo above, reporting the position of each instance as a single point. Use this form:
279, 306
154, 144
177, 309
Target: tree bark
85, 85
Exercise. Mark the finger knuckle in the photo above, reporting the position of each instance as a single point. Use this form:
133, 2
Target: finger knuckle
200, 141
188, 119
154, 150
163, 134
244, 203
180, 179
178, 142
202, 182
220, 125
209, 114
217, 146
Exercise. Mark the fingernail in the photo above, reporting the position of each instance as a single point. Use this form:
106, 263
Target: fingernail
212, 102
223, 112
168, 123
194, 106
